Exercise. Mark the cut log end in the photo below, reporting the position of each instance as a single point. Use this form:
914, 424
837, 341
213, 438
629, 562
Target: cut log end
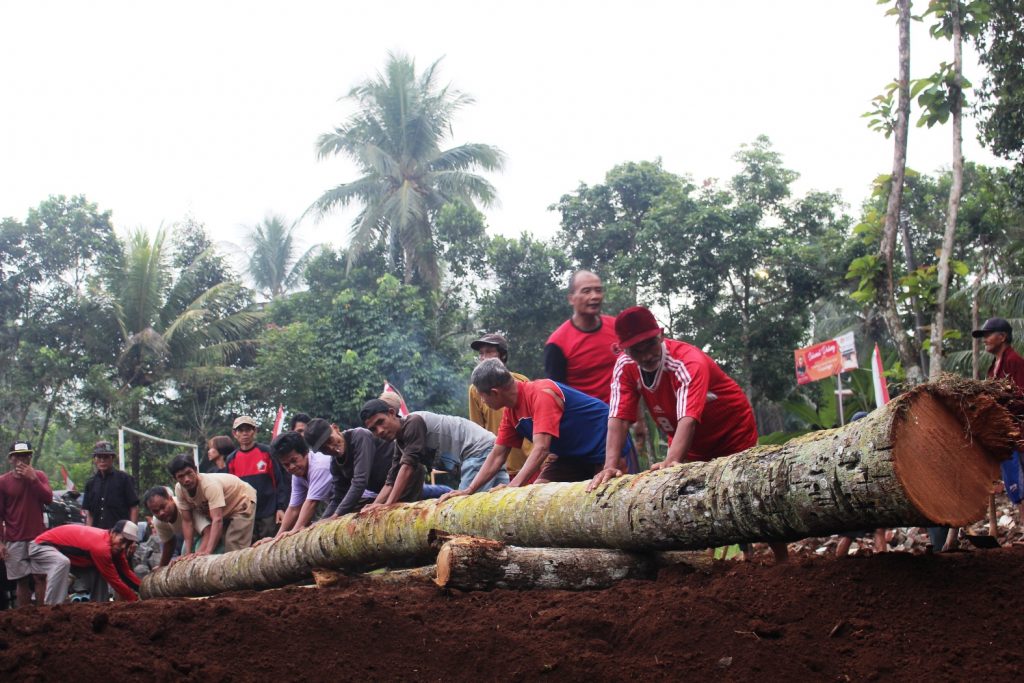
946, 473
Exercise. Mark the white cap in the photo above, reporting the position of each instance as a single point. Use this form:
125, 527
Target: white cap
129, 530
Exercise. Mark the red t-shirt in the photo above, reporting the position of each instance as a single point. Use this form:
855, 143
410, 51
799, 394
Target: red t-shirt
683, 387
21, 506
89, 546
533, 402
590, 356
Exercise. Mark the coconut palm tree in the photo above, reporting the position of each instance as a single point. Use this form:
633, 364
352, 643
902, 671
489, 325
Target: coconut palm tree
273, 266
168, 327
396, 138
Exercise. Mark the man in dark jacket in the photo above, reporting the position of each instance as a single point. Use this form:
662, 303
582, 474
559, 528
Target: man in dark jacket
359, 463
252, 463
110, 493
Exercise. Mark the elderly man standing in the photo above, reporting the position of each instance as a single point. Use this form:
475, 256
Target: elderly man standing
559, 420
23, 493
581, 352
703, 412
495, 346
110, 494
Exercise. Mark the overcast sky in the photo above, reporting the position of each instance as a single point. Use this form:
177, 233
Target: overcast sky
211, 109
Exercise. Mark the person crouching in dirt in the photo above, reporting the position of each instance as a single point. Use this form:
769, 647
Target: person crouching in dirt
167, 523
102, 554
675, 380
224, 499
311, 481
561, 422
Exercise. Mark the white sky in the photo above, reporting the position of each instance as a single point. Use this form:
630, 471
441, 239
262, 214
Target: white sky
160, 110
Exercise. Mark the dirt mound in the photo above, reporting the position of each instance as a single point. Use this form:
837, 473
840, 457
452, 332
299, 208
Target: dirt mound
932, 616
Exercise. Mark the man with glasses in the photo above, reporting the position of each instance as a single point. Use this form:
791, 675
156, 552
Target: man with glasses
700, 409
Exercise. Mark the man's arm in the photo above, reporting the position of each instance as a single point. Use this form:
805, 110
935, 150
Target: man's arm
121, 578
187, 530
681, 443
556, 366
540, 452
211, 539
306, 513
133, 514
166, 550
615, 441
405, 473
283, 490
290, 516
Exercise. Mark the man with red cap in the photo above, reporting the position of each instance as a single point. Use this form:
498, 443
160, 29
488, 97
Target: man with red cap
699, 408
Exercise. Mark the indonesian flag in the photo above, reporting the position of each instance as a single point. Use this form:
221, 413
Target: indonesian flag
403, 409
277, 422
878, 379
68, 484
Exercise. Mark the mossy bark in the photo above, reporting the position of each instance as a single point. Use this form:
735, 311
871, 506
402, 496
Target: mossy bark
925, 457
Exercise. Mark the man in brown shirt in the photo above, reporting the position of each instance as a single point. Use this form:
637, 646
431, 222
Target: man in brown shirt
227, 501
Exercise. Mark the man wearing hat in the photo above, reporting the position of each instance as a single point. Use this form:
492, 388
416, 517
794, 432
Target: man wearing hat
360, 463
495, 346
997, 335
103, 554
110, 493
252, 463
24, 492
700, 409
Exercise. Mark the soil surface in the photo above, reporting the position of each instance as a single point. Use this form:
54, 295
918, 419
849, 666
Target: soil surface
890, 616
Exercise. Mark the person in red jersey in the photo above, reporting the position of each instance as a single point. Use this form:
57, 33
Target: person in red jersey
104, 552
700, 409
581, 352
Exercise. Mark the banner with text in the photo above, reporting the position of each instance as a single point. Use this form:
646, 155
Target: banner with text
818, 361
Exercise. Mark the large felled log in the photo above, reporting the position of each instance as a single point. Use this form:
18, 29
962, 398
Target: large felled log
928, 456
469, 563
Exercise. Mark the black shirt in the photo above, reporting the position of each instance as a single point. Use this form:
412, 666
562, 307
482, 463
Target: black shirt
109, 498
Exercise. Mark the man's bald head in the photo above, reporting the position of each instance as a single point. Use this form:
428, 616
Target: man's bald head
585, 275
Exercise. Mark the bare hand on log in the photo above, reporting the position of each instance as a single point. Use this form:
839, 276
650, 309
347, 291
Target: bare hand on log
452, 494
663, 464
603, 477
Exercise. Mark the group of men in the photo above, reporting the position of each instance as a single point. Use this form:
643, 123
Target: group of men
573, 425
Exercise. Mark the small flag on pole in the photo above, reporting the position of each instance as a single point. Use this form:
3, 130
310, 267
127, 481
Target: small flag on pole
68, 484
277, 422
878, 379
403, 410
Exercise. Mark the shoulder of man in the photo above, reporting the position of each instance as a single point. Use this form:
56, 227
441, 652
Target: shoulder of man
560, 331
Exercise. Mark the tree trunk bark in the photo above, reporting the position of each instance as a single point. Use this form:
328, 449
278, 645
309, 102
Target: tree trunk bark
955, 189
927, 457
976, 318
887, 290
328, 578
469, 564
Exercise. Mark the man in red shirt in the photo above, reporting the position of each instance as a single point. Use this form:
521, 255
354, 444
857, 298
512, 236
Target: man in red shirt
581, 352
24, 492
104, 552
997, 336
699, 408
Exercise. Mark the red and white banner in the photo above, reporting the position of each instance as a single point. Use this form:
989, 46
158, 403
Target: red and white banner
878, 379
403, 410
68, 484
278, 421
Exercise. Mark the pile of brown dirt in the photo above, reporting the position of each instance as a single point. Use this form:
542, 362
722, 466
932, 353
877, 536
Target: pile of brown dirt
941, 617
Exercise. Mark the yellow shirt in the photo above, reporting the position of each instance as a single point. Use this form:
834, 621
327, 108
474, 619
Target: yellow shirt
490, 419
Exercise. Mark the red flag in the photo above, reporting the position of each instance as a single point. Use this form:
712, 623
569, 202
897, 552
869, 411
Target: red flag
277, 422
403, 409
878, 379
68, 484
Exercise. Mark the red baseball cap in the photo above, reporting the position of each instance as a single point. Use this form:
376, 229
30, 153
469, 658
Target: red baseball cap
634, 325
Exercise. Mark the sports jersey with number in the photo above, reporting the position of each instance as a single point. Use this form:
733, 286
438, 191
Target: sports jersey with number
688, 384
